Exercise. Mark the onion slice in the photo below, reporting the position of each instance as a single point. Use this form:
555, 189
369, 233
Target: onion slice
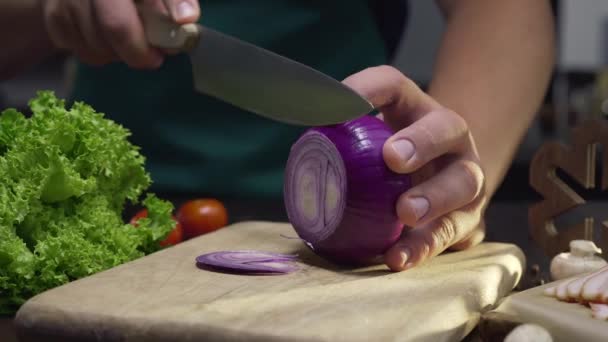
248, 262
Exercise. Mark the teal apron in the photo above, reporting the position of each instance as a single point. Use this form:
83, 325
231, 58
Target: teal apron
197, 144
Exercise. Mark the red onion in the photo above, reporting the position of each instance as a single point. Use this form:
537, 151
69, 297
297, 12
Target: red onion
339, 194
246, 261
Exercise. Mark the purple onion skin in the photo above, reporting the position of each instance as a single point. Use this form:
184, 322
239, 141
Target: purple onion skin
367, 224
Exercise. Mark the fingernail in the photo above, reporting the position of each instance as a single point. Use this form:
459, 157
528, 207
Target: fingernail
184, 10
420, 205
404, 148
405, 255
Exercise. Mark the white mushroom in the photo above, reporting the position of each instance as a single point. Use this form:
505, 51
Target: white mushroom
575, 287
529, 333
581, 259
599, 311
550, 291
561, 292
592, 288
604, 293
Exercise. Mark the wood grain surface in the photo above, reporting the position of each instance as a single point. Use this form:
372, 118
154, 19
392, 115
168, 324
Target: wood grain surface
165, 297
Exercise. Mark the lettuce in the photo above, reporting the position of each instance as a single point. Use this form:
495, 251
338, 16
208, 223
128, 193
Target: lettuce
66, 176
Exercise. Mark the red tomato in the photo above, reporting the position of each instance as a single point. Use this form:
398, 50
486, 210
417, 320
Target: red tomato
174, 237
201, 216
140, 214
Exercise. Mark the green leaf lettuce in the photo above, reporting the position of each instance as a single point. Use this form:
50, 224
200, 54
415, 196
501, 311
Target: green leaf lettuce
67, 174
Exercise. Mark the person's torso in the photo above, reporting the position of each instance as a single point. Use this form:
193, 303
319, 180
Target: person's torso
195, 143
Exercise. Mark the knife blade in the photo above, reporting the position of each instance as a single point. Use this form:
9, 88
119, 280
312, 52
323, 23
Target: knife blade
255, 79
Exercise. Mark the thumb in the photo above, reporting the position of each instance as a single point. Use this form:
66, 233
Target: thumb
183, 11
397, 97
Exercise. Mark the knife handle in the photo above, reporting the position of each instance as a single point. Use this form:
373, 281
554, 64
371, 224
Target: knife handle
162, 32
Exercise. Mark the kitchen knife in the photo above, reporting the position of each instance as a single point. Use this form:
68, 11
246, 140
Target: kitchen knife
255, 79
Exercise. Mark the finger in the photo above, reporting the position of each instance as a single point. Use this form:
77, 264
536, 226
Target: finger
453, 187
59, 24
94, 48
399, 99
420, 244
122, 28
474, 239
183, 11
437, 133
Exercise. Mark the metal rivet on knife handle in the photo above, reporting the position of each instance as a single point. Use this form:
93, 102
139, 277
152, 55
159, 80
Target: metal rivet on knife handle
163, 33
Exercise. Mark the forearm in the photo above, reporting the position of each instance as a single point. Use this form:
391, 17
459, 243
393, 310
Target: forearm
493, 68
22, 35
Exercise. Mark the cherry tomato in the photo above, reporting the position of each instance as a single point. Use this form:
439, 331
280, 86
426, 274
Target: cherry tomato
201, 216
140, 214
174, 237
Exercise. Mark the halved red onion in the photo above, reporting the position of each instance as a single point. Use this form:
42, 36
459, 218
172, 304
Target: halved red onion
339, 194
248, 261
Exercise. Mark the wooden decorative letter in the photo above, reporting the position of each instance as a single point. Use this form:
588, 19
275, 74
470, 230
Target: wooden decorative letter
579, 162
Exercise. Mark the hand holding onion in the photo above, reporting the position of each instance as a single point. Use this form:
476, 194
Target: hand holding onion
404, 187
444, 207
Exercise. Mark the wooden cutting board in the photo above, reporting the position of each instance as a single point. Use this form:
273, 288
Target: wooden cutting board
564, 321
165, 297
